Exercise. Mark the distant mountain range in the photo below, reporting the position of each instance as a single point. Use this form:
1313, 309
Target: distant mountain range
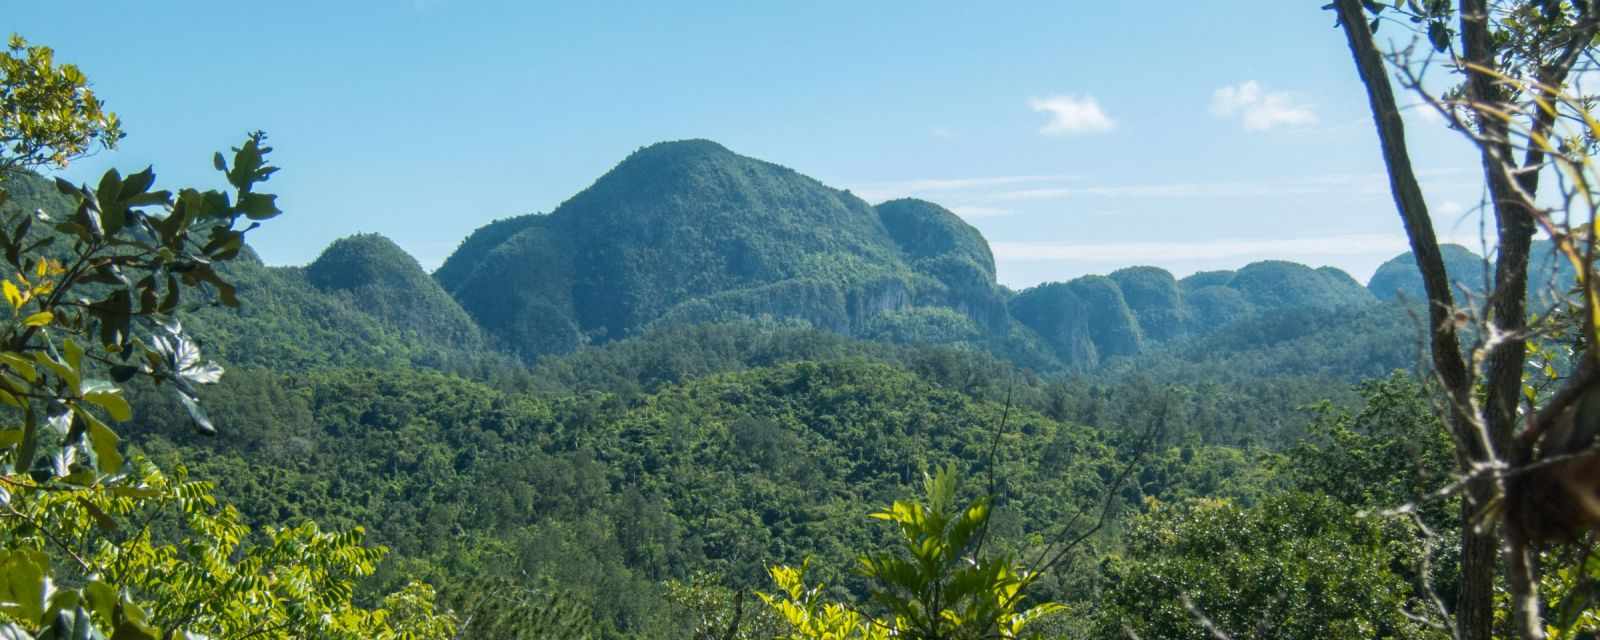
689, 232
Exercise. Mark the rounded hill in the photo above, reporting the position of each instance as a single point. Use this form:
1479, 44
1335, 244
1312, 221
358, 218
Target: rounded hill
1276, 284
374, 274
1399, 277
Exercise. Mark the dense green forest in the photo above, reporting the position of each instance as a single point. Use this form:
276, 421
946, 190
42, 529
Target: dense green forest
636, 485
706, 397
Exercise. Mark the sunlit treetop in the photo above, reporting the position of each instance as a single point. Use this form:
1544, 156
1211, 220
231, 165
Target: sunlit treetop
48, 114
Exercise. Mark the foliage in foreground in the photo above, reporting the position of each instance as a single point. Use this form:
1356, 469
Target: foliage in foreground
91, 544
938, 583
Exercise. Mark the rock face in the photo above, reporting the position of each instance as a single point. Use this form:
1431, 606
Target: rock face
690, 232
1086, 321
939, 244
1152, 293
1057, 314
1092, 319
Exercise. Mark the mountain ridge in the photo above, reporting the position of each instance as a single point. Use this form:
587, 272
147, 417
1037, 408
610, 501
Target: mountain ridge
689, 232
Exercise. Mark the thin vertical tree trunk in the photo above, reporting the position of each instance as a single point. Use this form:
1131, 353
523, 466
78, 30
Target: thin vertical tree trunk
1508, 313
1474, 611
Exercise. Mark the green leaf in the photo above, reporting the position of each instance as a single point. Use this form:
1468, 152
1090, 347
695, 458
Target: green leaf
109, 397
202, 422
109, 197
100, 517
101, 597
148, 199
137, 183
23, 584
76, 625
67, 188
1439, 36
74, 352
259, 206
19, 366
67, 374
103, 441
130, 630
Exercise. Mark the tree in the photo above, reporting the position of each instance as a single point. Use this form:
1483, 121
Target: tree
91, 542
48, 113
1297, 565
937, 586
1515, 58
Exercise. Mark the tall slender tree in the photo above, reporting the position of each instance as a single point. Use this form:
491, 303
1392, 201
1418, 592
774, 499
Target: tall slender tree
1513, 60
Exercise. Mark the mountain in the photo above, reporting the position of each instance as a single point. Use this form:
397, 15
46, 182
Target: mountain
1093, 319
364, 300
371, 272
1400, 278
1275, 284
1550, 274
687, 232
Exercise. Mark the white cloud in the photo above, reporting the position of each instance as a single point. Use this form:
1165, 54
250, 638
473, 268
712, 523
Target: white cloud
1424, 112
1072, 115
1142, 252
1044, 193
876, 191
975, 211
1364, 185
1258, 109
985, 196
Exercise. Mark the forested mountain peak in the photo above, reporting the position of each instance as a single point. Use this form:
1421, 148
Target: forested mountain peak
688, 231
367, 259
1548, 273
1280, 284
923, 229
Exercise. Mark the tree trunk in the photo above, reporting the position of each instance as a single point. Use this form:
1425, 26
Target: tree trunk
1479, 551
1508, 313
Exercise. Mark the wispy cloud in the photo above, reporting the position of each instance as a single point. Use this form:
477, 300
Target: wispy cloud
874, 191
1423, 112
1072, 115
975, 211
1369, 184
1004, 192
1225, 249
1259, 109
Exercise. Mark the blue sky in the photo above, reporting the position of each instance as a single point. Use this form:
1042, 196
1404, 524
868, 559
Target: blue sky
1080, 137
